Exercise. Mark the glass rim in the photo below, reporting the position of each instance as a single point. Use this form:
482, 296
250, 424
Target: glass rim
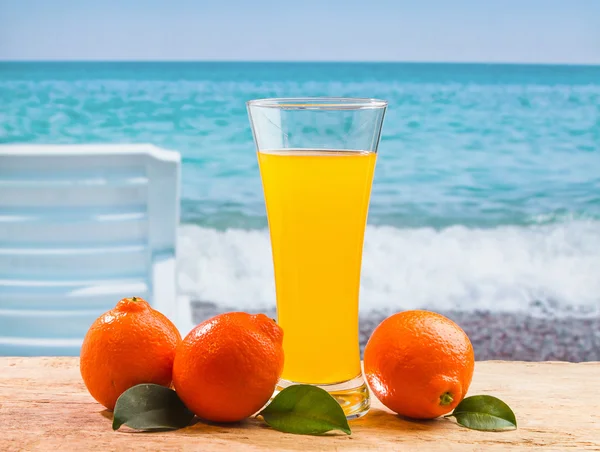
318, 103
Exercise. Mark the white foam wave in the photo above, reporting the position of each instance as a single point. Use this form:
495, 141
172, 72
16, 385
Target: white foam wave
537, 269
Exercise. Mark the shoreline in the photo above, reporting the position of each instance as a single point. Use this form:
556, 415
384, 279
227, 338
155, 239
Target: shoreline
495, 336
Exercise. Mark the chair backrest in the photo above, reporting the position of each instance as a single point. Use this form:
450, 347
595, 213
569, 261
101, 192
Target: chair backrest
82, 226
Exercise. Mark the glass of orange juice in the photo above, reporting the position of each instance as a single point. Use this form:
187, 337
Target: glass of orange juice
317, 159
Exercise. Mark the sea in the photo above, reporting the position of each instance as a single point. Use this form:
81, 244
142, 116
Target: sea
486, 194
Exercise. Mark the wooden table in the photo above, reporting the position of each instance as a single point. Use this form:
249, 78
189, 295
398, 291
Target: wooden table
44, 406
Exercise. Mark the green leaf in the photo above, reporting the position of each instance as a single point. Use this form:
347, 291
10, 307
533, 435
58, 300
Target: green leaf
305, 410
151, 407
485, 413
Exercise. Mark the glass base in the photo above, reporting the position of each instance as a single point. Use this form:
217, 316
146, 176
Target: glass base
352, 395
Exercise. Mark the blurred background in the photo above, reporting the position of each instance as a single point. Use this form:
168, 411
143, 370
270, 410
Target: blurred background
486, 200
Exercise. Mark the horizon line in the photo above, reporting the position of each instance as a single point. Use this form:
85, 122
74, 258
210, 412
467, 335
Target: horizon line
491, 63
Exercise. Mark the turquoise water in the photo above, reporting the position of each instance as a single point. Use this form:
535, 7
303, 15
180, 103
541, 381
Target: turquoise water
488, 179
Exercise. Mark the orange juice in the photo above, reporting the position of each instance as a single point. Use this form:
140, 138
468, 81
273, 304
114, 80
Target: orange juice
317, 203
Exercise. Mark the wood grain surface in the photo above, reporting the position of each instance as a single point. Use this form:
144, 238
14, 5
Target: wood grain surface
44, 406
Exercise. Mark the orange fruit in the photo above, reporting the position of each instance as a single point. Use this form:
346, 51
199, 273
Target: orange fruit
227, 368
128, 345
419, 364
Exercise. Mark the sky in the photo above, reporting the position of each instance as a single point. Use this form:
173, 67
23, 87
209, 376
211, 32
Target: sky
514, 31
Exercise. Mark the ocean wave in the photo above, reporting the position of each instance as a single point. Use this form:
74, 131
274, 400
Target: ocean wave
546, 269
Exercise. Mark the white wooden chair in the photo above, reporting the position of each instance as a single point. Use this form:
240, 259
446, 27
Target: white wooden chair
82, 226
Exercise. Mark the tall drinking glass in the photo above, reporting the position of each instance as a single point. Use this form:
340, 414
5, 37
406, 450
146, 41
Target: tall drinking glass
317, 158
